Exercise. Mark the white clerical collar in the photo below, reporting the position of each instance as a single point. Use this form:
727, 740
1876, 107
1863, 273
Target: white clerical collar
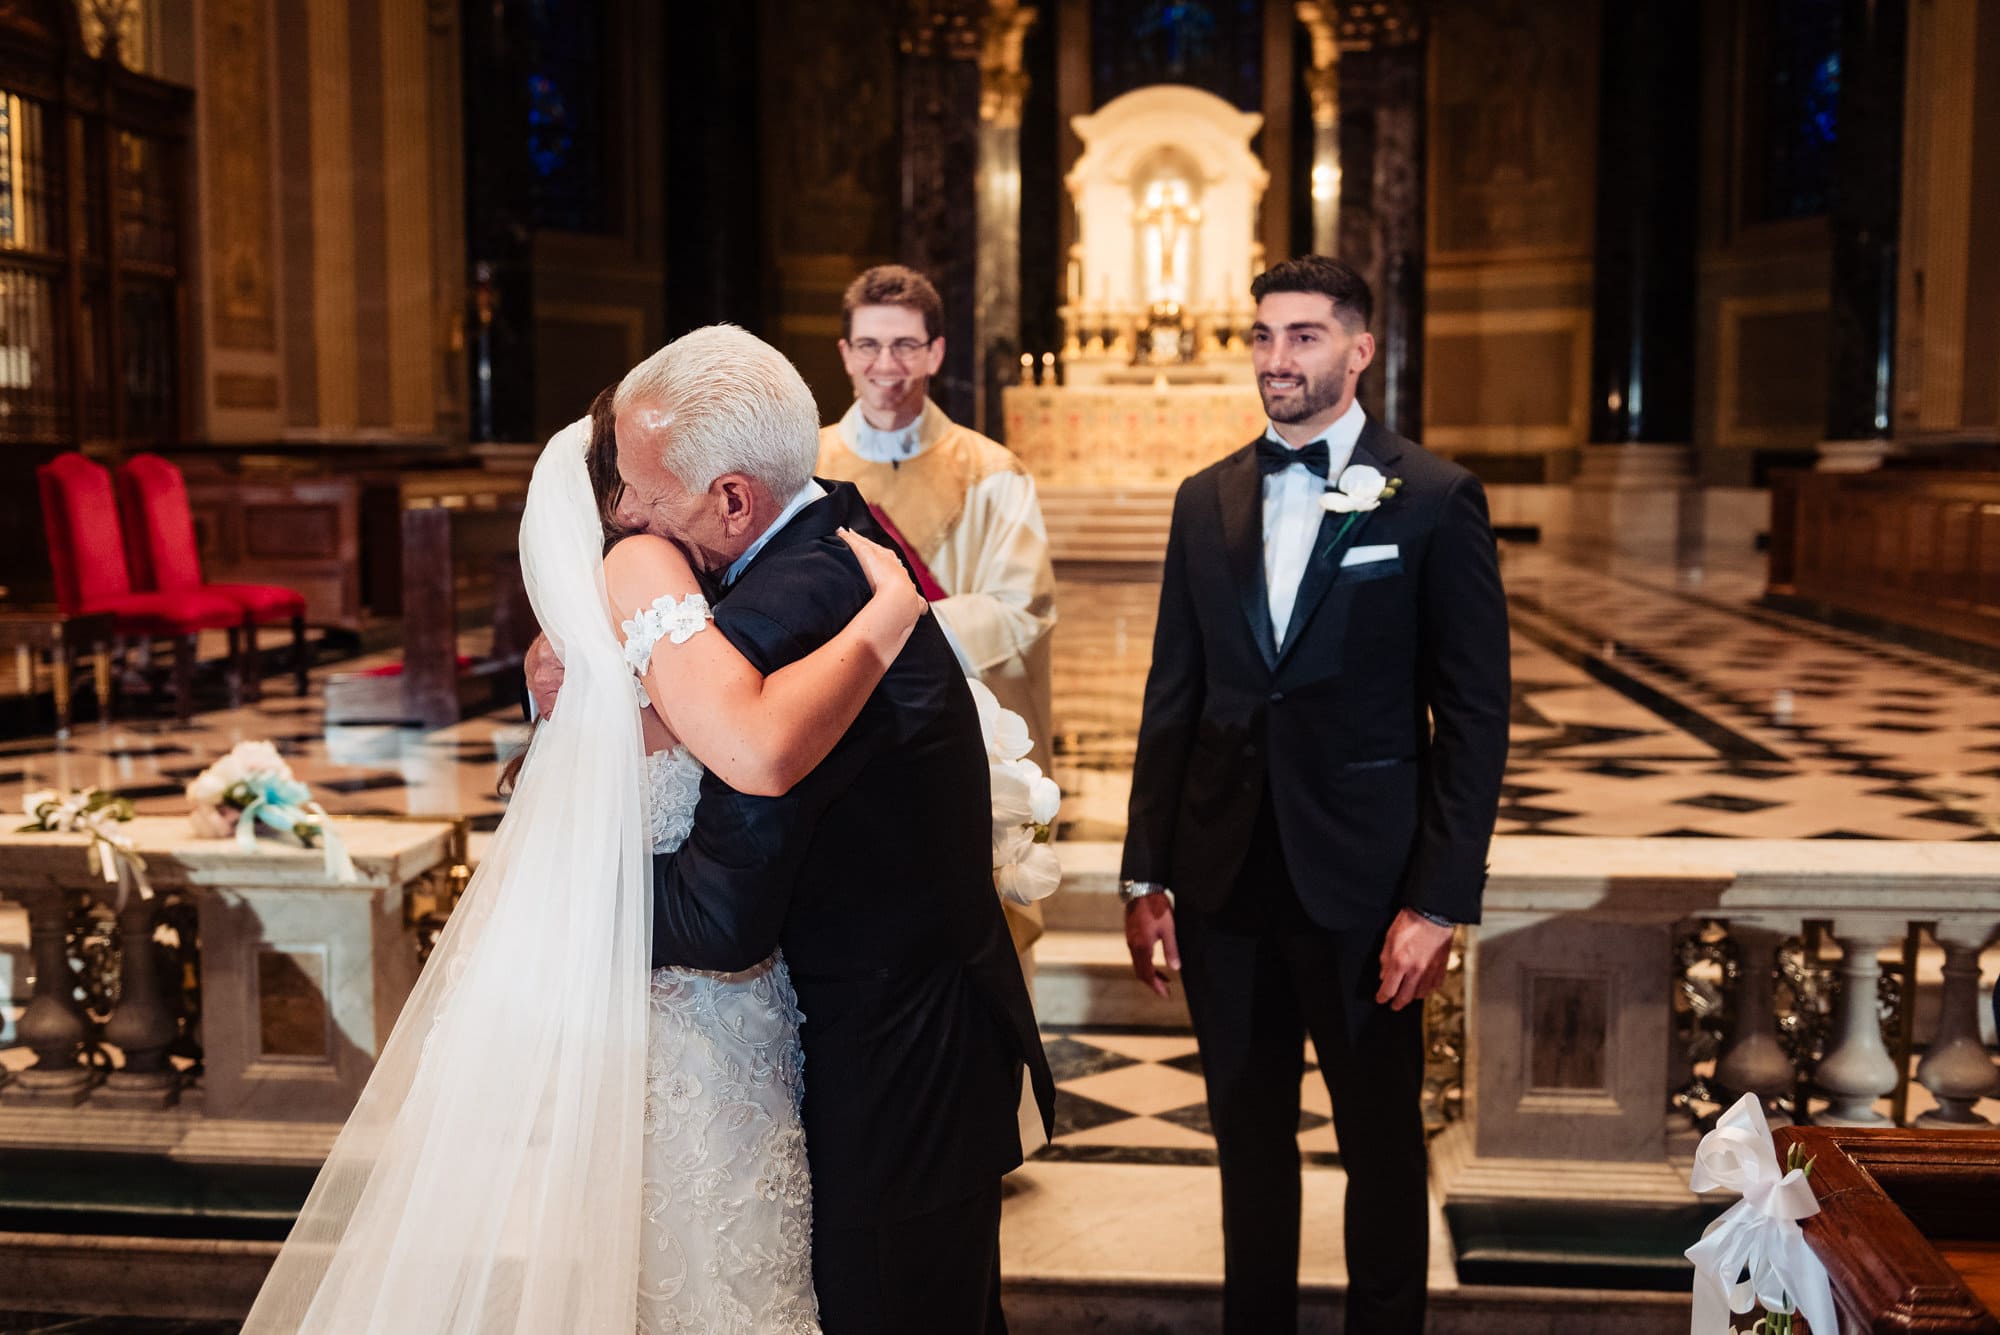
812, 491
1340, 438
893, 447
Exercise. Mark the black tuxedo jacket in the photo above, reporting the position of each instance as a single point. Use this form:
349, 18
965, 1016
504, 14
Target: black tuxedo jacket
1377, 720
875, 876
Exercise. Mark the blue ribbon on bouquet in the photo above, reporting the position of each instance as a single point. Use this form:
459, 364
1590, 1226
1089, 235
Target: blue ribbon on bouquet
284, 805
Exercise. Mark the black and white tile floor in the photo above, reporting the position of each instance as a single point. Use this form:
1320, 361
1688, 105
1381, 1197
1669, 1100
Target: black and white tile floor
1643, 705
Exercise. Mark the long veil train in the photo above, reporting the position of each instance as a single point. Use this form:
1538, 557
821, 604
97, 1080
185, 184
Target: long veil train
488, 1181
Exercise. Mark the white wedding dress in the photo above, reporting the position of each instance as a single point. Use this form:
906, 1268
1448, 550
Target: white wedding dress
726, 1244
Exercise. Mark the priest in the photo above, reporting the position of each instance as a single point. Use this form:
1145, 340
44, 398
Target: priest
962, 506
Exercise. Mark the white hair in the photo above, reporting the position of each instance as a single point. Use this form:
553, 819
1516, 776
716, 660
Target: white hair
732, 404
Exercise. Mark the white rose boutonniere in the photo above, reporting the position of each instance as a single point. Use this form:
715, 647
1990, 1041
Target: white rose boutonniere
1359, 489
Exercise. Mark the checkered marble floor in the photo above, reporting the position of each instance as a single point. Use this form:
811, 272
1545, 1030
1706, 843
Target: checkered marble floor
1136, 1096
1646, 702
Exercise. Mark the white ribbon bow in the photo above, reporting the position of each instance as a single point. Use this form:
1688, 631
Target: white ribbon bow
1760, 1233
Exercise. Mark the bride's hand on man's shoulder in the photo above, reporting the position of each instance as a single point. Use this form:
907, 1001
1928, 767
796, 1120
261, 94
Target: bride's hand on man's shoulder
885, 574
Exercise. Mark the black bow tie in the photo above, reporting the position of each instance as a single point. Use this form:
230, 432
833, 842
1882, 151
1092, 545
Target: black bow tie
1275, 458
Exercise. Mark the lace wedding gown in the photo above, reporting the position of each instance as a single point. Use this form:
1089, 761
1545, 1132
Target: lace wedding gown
727, 1238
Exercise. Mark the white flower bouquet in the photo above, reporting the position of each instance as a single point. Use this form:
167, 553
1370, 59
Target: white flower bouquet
1025, 802
97, 813
252, 786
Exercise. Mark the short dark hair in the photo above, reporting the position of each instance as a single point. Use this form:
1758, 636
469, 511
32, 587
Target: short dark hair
893, 285
1338, 282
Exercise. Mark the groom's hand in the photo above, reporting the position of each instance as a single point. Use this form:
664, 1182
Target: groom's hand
1413, 959
1149, 921
544, 672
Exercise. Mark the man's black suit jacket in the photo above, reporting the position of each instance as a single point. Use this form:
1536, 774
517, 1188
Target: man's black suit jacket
875, 876
1377, 720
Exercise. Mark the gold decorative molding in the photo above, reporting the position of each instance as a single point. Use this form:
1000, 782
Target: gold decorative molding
1003, 84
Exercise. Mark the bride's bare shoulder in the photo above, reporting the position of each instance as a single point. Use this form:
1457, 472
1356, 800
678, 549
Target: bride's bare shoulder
645, 565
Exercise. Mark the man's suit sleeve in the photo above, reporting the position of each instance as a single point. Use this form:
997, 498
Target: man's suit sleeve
1173, 703
1463, 676
720, 900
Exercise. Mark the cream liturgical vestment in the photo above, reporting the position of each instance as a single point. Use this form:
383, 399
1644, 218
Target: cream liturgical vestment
965, 508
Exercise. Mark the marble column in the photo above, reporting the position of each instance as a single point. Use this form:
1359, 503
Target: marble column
1947, 366
141, 1026
1857, 1069
1635, 489
1382, 209
1752, 1061
1323, 90
52, 1027
1865, 223
996, 315
1957, 1070
499, 235
716, 230
938, 77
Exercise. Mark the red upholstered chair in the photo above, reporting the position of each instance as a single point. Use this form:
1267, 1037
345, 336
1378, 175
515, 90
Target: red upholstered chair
153, 497
87, 551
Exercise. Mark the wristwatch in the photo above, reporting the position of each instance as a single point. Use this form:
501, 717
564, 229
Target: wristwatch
1131, 892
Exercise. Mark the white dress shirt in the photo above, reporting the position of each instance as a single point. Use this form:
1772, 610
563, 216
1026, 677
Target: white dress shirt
812, 491
1292, 513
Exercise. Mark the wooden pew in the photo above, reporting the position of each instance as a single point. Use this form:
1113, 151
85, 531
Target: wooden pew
459, 566
1909, 1226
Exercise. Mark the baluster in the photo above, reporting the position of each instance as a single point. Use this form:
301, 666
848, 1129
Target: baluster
1956, 1070
52, 1026
1857, 1068
1753, 1061
140, 1026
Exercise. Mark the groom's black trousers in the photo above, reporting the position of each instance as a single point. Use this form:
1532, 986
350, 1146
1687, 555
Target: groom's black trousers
935, 1273
1260, 976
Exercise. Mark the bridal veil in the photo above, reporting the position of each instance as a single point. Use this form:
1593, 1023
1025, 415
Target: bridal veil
488, 1180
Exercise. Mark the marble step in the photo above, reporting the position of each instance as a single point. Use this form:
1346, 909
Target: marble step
1116, 524
1085, 978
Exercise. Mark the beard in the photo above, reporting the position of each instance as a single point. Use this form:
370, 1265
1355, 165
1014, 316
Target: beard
1310, 399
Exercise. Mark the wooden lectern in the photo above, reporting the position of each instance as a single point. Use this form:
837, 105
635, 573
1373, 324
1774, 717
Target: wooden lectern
1909, 1226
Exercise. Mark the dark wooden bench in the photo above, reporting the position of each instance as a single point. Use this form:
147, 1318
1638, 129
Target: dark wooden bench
460, 569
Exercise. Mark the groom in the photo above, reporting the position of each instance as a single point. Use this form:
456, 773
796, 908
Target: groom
874, 874
1317, 776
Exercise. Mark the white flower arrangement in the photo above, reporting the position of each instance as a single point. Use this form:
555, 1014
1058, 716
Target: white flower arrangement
1025, 803
97, 813
252, 786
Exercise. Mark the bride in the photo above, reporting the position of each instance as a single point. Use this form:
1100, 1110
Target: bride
553, 1140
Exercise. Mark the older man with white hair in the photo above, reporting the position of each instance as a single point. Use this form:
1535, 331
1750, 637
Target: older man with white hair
873, 874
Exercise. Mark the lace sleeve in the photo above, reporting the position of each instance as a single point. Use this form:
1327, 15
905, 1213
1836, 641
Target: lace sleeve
676, 620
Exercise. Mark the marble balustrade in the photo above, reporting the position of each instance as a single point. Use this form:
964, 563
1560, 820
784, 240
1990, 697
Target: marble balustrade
277, 982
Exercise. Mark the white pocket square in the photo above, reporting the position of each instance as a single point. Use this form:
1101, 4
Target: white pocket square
1361, 556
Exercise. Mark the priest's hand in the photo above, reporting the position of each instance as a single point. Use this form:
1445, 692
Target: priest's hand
1149, 922
1413, 959
544, 672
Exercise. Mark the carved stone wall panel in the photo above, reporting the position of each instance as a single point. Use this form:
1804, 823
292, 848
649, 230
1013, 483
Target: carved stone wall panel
1507, 381
236, 154
1512, 126
1770, 390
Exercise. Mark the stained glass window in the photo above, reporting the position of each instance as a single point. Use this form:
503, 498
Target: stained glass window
1213, 44
1793, 121
567, 110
